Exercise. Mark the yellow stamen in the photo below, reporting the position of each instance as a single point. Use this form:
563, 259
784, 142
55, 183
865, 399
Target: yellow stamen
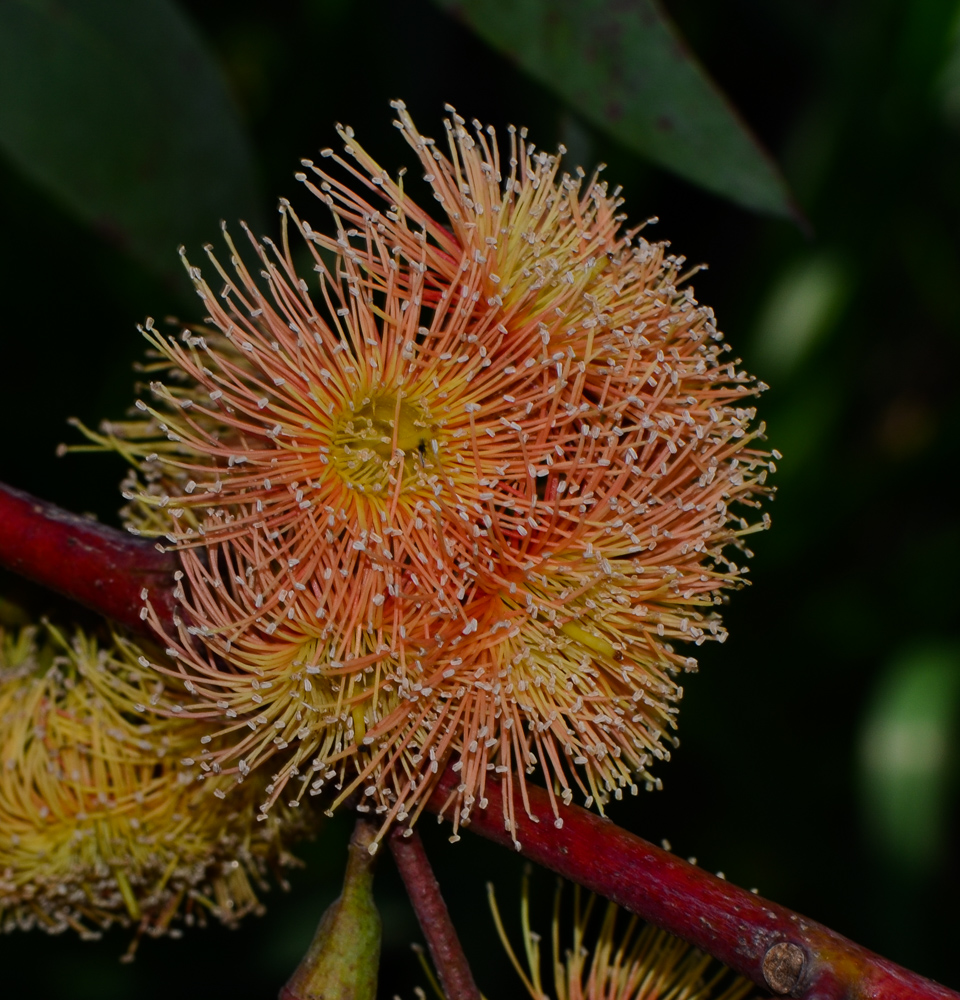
590, 640
359, 724
129, 899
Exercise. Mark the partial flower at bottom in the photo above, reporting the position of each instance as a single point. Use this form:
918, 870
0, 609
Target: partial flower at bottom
102, 821
609, 956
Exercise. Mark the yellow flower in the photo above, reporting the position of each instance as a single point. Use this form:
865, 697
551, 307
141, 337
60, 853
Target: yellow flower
459, 498
632, 962
101, 818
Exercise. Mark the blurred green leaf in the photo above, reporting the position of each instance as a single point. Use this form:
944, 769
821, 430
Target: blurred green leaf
116, 109
908, 756
802, 305
626, 69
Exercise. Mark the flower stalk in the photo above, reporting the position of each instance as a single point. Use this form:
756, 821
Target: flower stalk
431, 910
778, 949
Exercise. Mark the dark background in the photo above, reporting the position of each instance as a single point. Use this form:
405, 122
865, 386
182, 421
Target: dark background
819, 744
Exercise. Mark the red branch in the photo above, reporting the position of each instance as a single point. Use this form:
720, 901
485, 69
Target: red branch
776, 948
99, 567
768, 943
431, 910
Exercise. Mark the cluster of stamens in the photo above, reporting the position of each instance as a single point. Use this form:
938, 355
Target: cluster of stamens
455, 499
102, 817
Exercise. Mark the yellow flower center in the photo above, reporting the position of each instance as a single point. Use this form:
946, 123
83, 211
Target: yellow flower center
367, 438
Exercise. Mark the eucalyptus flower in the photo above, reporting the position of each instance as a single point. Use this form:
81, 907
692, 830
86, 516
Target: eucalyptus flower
457, 496
102, 817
